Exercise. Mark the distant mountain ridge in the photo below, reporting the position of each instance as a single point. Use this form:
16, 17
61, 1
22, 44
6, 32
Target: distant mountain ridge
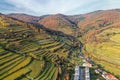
24, 17
57, 22
66, 23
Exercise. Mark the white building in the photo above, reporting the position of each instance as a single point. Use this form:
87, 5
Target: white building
77, 73
87, 74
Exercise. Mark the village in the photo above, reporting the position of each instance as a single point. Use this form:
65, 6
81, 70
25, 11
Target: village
83, 72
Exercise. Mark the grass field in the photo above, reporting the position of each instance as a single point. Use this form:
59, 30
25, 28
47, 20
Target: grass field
107, 52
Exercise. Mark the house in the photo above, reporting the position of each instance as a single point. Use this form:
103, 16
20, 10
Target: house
86, 64
96, 71
108, 76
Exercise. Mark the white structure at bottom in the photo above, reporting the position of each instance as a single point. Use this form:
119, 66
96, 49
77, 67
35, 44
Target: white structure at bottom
87, 74
77, 73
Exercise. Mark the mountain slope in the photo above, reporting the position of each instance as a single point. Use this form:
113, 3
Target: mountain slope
99, 19
101, 33
31, 52
25, 17
58, 22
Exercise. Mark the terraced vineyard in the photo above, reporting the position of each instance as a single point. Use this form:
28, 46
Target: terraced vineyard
29, 53
16, 66
49, 73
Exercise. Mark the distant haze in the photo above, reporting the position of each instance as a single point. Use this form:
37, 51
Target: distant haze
68, 7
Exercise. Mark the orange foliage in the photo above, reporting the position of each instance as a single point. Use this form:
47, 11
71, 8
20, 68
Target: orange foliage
57, 22
100, 18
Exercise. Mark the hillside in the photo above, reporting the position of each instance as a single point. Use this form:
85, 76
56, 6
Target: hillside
28, 52
104, 50
98, 31
58, 22
99, 19
25, 17
65, 23
101, 39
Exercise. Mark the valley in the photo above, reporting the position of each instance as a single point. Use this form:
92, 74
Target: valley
50, 47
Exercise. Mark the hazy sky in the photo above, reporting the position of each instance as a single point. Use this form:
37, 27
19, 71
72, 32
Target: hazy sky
43, 7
